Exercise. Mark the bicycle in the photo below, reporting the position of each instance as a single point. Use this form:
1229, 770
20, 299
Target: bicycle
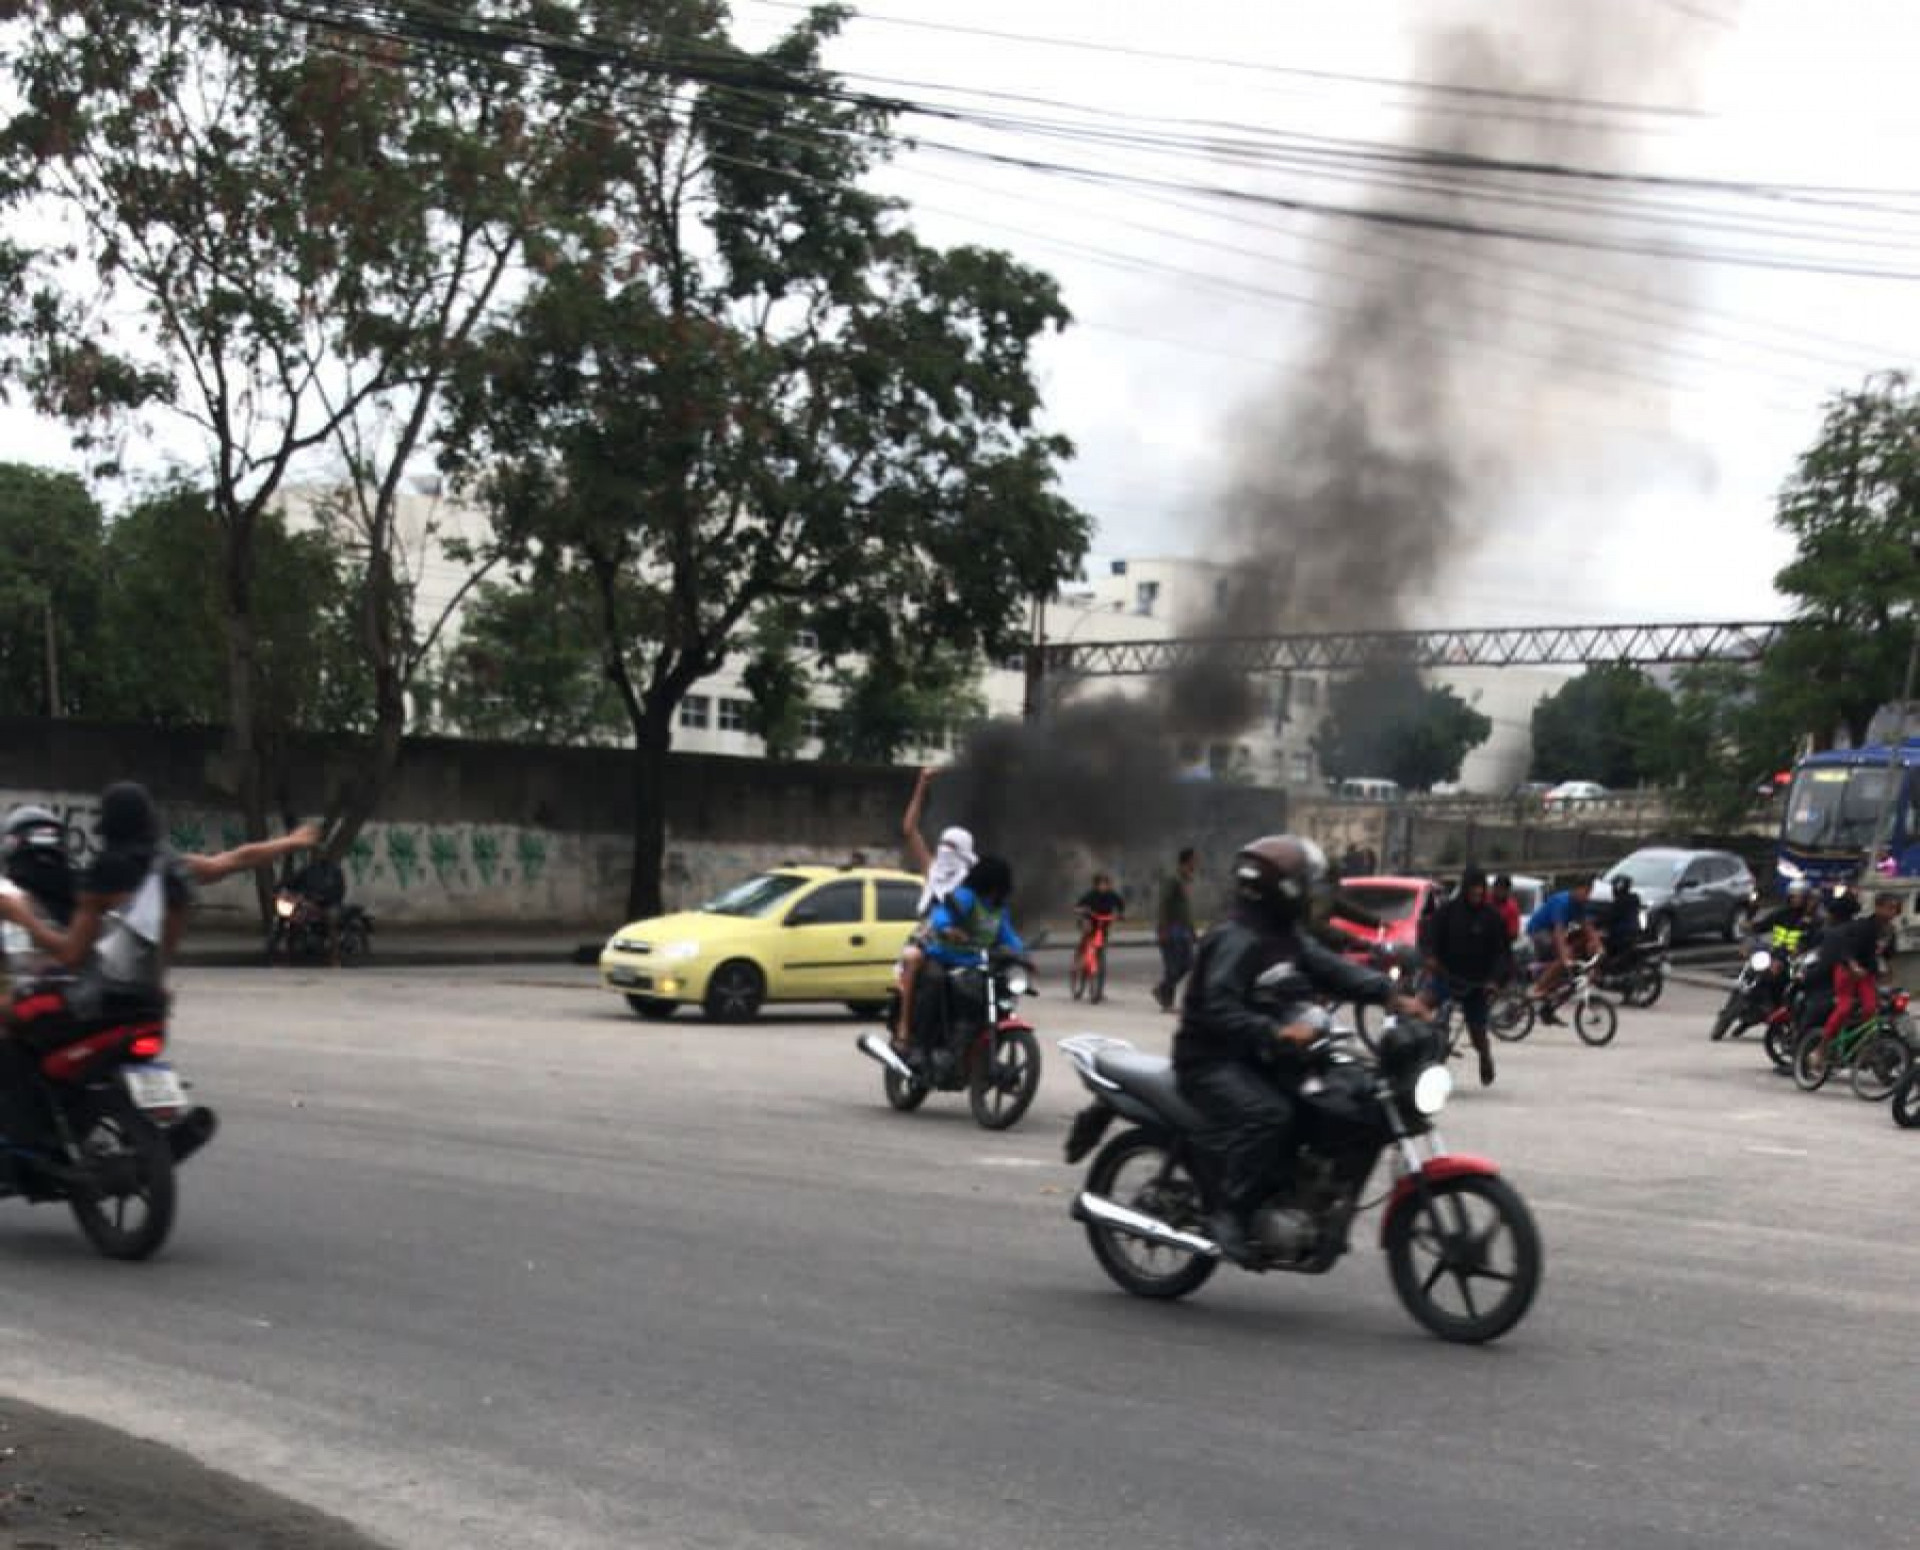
1595, 1019
1876, 1050
1088, 977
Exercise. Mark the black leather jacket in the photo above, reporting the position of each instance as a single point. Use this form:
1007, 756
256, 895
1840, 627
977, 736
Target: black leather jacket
1218, 1018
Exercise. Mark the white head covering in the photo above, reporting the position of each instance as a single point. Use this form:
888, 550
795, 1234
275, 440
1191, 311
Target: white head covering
952, 860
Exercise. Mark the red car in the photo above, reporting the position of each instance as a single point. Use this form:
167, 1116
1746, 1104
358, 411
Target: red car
1400, 903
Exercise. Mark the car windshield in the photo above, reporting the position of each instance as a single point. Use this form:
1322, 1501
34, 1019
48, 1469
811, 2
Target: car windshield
1835, 808
1649, 871
756, 896
1384, 900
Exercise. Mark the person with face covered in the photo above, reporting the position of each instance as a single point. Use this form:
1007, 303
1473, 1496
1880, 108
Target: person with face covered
1235, 1061
1468, 950
972, 919
945, 868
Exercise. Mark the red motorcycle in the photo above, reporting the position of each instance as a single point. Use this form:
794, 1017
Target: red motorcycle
115, 1122
1088, 977
983, 1047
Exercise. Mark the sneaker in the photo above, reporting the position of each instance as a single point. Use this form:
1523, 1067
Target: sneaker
1549, 1015
1162, 999
1486, 1069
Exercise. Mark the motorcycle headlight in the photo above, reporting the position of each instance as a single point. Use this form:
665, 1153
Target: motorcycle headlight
1017, 982
1431, 1090
1760, 962
283, 908
678, 952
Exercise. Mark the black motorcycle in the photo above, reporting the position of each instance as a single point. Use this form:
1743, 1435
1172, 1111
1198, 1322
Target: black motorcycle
299, 928
1461, 1245
969, 1038
1636, 974
115, 1120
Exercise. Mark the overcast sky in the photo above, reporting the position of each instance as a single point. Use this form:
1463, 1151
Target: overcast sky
1618, 424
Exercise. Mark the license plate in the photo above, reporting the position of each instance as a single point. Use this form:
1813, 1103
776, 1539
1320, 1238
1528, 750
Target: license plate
622, 976
154, 1087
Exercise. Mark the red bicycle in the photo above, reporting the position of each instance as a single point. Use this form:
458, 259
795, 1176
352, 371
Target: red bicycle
1089, 976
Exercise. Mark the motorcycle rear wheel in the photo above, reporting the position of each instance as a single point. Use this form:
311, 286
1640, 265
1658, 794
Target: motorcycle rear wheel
117, 1137
1128, 1171
1596, 1021
1645, 985
1880, 1067
1006, 1081
1511, 1017
1458, 1233
1906, 1100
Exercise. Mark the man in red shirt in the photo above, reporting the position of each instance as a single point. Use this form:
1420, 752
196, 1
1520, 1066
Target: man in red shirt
1502, 899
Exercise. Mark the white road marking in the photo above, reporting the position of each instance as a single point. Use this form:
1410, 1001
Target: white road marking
1777, 1151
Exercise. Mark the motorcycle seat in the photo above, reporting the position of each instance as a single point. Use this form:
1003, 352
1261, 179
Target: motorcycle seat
1149, 1078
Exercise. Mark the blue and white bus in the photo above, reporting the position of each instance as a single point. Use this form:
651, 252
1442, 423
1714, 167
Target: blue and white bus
1846, 801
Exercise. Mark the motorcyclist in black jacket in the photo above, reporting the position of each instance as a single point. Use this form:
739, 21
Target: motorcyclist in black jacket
1236, 1061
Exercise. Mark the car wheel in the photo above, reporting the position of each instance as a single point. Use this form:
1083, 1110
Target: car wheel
734, 992
869, 1011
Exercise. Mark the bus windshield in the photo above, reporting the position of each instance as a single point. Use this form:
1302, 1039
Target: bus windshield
1837, 808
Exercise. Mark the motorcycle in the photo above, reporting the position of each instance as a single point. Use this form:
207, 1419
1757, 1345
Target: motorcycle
300, 926
119, 1120
987, 1050
1637, 975
1753, 997
1454, 1231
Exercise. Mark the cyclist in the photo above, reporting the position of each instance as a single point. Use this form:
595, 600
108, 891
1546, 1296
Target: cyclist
1557, 928
1101, 899
1861, 950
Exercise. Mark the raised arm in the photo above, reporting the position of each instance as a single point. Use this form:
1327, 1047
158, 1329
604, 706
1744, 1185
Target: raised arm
910, 821
244, 858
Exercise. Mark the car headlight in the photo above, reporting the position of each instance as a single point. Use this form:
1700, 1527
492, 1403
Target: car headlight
1017, 982
677, 952
628, 944
1431, 1089
1760, 962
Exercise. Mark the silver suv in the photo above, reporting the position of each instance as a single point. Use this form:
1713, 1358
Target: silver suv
1686, 892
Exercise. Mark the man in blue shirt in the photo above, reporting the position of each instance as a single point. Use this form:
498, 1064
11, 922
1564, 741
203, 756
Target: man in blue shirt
1555, 928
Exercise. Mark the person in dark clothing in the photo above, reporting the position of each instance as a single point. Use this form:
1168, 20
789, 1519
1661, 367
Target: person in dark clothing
1861, 948
1790, 928
1235, 1060
1623, 920
1173, 929
1468, 950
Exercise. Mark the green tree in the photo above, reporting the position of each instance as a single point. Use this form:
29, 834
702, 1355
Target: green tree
526, 667
888, 704
752, 386
51, 534
1612, 724
308, 214
1384, 721
778, 684
1853, 507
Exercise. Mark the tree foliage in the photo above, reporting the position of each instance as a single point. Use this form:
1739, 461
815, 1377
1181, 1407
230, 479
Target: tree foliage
51, 534
1612, 724
1853, 506
750, 385
890, 704
1384, 721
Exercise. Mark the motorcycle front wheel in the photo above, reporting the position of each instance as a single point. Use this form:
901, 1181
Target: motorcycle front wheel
1596, 1021
1779, 1043
1466, 1259
129, 1212
1906, 1100
1005, 1080
1881, 1067
1133, 1170
1728, 1020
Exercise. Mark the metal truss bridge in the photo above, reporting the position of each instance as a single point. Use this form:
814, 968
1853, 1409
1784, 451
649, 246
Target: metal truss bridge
1548, 645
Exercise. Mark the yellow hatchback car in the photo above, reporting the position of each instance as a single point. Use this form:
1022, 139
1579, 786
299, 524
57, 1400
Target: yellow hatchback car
797, 933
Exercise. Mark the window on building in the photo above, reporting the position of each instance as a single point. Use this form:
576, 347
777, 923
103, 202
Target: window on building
733, 715
1145, 595
1015, 663
813, 723
1303, 766
694, 710
805, 640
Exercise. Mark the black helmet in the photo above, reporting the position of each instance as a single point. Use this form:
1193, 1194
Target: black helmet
1276, 874
1622, 883
991, 879
33, 850
128, 819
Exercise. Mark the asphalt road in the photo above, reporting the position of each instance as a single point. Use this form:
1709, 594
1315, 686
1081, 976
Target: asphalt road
481, 1260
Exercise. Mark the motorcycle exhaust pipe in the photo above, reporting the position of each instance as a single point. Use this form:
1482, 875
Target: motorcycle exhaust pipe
882, 1050
1102, 1212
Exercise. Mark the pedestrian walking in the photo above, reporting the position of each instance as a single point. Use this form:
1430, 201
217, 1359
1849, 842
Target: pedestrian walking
1173, 929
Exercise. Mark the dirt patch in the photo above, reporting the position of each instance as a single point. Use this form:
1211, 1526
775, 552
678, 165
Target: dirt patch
69, 1484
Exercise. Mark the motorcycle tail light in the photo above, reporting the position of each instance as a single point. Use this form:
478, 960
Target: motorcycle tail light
145, 1046
1900, 1001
